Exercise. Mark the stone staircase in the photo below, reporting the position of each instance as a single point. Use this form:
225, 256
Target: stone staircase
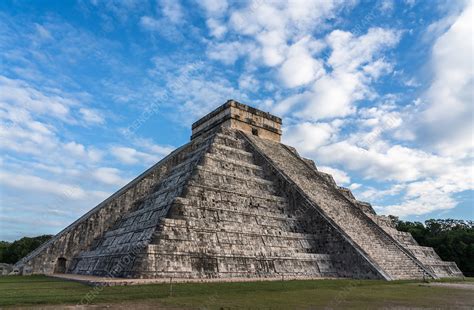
231, 222
374, 243
427, 255
129, 236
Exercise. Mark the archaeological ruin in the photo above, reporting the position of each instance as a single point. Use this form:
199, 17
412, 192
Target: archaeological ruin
235, 203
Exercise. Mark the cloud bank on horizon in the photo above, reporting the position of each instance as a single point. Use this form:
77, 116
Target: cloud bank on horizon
379, 94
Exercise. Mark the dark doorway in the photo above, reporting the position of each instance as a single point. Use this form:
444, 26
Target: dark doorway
254, 132
60, 265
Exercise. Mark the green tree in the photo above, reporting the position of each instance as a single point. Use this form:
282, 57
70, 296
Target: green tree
10, 253
3, 247
453, 240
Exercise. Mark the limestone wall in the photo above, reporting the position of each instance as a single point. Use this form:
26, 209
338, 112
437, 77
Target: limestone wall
80, 235
242, 117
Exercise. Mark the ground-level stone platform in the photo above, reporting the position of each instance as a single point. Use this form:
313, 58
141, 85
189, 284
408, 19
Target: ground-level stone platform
109, 281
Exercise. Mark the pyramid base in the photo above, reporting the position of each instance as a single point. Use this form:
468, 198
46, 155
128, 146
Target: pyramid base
109, 281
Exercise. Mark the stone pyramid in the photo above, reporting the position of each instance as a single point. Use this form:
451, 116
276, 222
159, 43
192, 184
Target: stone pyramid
235, 202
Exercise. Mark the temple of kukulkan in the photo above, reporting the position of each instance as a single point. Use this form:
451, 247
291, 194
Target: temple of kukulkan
235, 203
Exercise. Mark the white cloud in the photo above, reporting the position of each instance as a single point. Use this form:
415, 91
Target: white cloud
396, 162
169, 21
196, 91
280, 35
43, 32
354, 186
355, 65
228, 52
308, 137
333, 96
441, 122
120, 9
163, 26
27, 140
91, 116
377, 68
386, 6
290, 18
109, 175
149, 23
273, 47
249, 83
450, 97
373, 194
79, 151
272, 25
351, 52
172, 10
128, 155
215, 10
341, 177
425, 181
214, 7
429, 197
15, 94
217, 28
300, 68
34, 183
155, 148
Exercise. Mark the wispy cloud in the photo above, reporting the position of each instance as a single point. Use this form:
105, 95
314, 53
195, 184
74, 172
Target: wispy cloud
378, 95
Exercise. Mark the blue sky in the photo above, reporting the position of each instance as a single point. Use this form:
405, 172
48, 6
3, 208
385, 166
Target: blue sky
380, 94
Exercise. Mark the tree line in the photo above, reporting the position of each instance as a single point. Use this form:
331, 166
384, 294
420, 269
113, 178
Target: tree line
11, 252
453, 240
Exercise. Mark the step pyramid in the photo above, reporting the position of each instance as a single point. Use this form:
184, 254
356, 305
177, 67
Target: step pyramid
234, 202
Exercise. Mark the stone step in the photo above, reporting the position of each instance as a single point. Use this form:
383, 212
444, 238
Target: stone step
216, 176
152, 222
227, 164
163, 196
223, 181
173, 181
157, 205
365, 207
187, 246
217, 193
254, 229
232, 153
228, 140
260, 207
188, 161
225, 225
255, 211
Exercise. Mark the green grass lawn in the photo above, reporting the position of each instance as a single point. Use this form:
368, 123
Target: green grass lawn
41, 290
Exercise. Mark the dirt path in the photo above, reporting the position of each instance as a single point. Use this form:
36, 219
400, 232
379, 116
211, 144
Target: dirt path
465, 286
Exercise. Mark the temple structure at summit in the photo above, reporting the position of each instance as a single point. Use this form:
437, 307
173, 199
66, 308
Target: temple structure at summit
235, 202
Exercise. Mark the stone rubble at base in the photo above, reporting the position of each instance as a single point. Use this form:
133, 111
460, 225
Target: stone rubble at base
235, 203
